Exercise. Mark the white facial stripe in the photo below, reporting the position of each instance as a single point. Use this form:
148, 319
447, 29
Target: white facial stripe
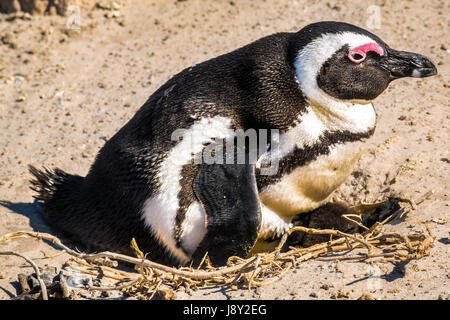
311, 58
159, 211
338, 114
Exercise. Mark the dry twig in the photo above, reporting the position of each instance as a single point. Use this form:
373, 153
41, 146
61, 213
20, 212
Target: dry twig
255, 271
36, 270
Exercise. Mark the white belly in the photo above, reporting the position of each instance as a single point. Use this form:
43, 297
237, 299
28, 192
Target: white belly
304, 189
308, 187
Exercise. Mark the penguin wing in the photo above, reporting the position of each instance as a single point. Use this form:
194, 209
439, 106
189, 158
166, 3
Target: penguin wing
229, 196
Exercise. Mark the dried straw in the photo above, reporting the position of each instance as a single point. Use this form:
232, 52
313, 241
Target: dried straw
151, 278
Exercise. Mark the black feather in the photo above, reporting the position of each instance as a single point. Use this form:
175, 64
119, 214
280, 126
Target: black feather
46, 182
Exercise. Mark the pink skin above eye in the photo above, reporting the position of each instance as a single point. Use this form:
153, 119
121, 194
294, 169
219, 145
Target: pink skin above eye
358, 54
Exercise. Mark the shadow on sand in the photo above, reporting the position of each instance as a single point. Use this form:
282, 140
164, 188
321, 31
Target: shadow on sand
30, 210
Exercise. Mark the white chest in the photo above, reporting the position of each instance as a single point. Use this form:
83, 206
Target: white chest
307, 187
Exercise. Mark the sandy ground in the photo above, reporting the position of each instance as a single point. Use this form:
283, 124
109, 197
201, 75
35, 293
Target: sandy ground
64, 92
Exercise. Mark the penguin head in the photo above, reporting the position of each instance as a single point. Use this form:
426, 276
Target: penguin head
339, 61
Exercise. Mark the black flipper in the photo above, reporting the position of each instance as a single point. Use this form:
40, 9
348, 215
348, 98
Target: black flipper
229, 196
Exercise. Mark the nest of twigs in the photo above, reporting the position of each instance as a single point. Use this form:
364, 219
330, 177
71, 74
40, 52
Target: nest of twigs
153, 280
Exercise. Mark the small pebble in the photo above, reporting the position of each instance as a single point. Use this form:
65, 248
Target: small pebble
367, 296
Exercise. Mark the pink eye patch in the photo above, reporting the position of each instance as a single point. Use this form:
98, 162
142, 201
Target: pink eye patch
358, 54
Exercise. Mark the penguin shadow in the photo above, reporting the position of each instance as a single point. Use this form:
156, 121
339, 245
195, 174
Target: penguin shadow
33, 212
30, 210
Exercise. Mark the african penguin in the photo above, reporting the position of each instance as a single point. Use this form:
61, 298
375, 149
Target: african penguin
311, 90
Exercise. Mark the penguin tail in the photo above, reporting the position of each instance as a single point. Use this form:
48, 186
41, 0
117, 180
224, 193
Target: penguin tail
46, 182
54, 188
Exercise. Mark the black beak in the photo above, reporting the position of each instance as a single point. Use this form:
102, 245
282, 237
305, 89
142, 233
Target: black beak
407, 64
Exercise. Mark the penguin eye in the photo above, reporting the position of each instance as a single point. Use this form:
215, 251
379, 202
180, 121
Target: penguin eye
356, 56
